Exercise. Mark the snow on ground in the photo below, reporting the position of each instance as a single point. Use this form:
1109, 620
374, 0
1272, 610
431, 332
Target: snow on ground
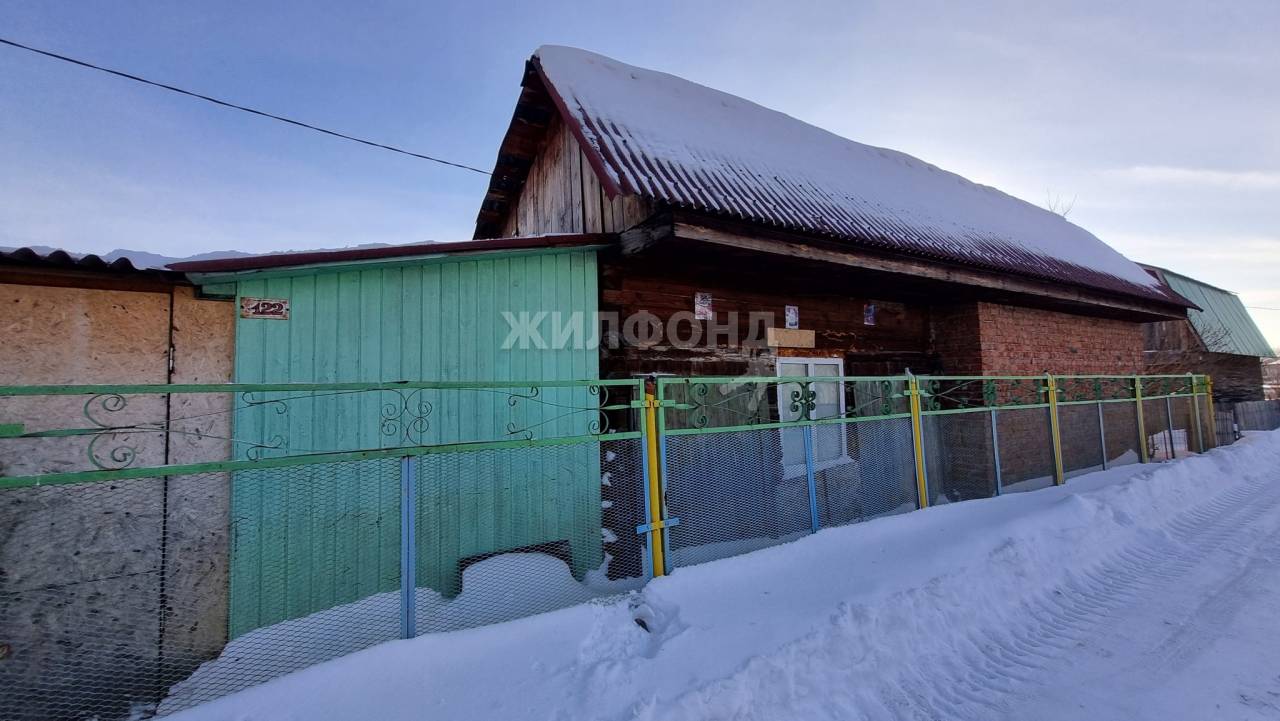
496, 589
1143, 592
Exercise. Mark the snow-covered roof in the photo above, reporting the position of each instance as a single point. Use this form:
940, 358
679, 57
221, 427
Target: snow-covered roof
677, 142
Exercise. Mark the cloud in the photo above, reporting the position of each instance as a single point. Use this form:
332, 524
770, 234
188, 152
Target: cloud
1173, 175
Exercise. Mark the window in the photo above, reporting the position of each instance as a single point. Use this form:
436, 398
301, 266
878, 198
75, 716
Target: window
828, 440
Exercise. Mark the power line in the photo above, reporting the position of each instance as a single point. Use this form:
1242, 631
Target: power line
233, 106
1260, 307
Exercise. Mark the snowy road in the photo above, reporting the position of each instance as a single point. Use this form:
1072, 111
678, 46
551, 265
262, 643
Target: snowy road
1142, 593
1183, 624
1186, 626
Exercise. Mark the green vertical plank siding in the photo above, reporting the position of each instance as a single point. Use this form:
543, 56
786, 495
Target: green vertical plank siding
309, 538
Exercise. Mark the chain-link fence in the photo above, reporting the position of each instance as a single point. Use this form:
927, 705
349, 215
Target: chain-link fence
130, 587
203, 544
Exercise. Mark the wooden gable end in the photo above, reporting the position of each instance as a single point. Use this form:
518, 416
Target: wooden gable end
543, 182
563, 195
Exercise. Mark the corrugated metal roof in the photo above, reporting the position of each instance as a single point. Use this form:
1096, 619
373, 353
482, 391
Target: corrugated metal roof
61, 259
676, 142
1223, 323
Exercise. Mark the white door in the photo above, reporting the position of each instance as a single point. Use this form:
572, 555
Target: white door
828, 402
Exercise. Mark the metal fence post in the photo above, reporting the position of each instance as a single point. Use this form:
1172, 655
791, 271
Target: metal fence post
408, 548
653, 481
1168, 417
1102, 436
1052, 386
1143, 453
807, 432
995, 451
1213, 411
1195, 412
917, 439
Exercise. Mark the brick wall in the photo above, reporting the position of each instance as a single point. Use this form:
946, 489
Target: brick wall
954, 338
994, 339
1029, 341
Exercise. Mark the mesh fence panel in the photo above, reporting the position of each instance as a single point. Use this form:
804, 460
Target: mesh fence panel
1207, 431
1026, 449
313, 567
113, 593
123, 599
1081, 438
1224, 429
508, 533
1155, 419
1120, 421
1183, 425
735, 492
80, 600
874, 476
959, 456
149, 596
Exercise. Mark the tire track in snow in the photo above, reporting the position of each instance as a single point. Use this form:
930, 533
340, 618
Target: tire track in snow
1059, 621
1218, 608
981, 670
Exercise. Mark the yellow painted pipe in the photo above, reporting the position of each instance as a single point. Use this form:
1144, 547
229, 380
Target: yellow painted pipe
917, 438
1059, 477
656, 533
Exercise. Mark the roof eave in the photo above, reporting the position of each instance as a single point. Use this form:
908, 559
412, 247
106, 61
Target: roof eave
394, 252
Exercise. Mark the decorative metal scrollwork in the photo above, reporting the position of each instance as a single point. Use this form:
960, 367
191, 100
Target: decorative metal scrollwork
804, 400
114, 457
408, 418
886, 397
597, 424
932, 394
279, 405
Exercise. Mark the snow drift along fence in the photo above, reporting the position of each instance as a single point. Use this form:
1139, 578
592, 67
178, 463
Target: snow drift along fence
165, 545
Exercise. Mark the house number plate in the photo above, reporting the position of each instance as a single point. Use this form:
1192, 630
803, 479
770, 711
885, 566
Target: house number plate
268, 308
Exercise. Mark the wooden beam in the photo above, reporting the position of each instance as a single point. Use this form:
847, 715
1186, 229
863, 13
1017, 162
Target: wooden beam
689, 229
641, 237
141, 282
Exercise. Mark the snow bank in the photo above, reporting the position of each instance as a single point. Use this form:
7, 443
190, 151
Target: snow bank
841, 624
502, 588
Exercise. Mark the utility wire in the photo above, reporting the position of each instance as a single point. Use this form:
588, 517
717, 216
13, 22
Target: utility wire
233, 106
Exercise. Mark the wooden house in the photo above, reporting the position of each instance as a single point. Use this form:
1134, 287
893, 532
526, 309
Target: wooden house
696, 233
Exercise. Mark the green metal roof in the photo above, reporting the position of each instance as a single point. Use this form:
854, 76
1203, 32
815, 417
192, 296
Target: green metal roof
1224, 325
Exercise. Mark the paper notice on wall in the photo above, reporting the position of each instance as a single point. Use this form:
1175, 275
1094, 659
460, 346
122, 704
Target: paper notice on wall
869, 314
702, 309
793, 316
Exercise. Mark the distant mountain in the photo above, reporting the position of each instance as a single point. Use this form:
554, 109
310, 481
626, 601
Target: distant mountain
146, 259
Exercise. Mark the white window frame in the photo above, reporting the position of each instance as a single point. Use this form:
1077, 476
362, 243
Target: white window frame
790, 470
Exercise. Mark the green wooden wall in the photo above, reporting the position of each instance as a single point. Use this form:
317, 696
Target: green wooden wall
310, 538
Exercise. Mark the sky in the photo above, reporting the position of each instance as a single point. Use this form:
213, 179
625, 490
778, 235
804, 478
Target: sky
1157, 123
